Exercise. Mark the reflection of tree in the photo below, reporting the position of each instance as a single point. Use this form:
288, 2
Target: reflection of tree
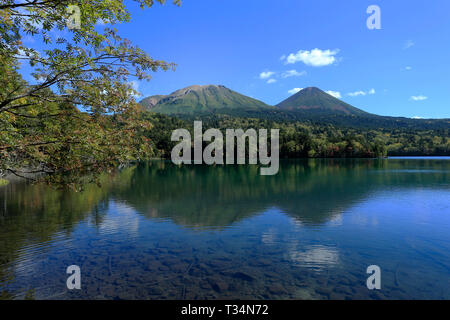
312, 191
31, 213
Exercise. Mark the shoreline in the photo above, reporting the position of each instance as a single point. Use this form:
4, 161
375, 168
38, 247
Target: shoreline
10, 177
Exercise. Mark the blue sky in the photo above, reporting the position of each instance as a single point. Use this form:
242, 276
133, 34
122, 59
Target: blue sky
267, 49
401, 70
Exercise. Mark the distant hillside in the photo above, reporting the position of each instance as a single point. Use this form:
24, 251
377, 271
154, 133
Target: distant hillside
311, 104
314, 100
203, 99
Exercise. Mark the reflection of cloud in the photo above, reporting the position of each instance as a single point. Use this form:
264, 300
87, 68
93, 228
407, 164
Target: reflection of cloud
315, 256
269, 237
364, 219
336, 219
360, 219
122, 218
297, 223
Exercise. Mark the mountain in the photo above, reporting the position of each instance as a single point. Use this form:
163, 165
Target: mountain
314, 100
203, 99
319, 107
310, 104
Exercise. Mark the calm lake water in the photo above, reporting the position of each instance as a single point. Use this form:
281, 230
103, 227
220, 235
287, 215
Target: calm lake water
159, 231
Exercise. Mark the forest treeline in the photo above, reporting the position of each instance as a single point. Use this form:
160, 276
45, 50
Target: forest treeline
307, 140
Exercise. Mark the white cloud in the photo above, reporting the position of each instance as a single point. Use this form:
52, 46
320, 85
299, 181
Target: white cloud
417, 117
418, 98
293, 73
295, 90
314, 58
271, 81
408, 44
361, 93
283, 57
335, 94
357, 93
135, 86
266, 74
408, 68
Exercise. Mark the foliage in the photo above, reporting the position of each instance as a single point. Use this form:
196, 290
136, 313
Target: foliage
58, 140
42, 129
303, 139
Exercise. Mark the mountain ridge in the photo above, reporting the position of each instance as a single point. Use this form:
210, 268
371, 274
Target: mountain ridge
310, 104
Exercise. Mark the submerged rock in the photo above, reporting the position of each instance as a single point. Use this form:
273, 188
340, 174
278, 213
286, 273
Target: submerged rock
243, 276
219, 285
276, 288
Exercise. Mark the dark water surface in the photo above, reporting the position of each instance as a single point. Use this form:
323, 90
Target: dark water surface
164, 232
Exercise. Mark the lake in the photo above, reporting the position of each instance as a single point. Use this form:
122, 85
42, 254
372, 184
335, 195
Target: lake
160, 231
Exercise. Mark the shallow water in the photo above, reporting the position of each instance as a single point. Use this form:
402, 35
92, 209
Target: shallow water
160, 231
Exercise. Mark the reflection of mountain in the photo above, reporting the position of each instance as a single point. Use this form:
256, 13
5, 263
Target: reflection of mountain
311, 191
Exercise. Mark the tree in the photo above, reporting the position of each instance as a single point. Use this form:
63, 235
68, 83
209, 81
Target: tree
41, 126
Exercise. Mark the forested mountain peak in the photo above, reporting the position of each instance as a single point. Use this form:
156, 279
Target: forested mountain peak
316, 100
201, 98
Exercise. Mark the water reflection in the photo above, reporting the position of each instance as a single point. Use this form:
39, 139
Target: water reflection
122, 218
311, 191
316, 257
162, 232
